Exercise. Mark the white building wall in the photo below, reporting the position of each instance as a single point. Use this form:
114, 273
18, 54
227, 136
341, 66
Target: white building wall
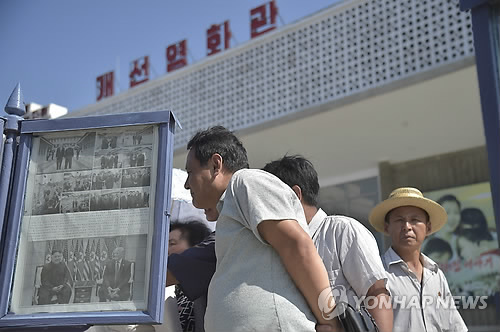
347, 49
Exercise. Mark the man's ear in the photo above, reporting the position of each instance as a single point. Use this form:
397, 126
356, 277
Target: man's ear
386, 227
216, 163
429, 227
296, 189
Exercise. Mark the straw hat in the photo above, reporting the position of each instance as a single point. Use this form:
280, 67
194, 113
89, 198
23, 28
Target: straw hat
408, 197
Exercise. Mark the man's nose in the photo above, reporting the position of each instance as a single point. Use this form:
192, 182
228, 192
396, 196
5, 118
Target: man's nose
186, 184
406, 224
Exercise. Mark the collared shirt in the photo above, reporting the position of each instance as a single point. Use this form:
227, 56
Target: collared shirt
420, 306
251, 289
350, 254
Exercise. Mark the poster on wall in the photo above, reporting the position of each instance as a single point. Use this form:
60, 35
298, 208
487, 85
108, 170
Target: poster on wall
466, 248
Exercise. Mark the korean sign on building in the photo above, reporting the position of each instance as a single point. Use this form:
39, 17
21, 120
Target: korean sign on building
262, 20
139, 71
177, 55
105, 85
218, 38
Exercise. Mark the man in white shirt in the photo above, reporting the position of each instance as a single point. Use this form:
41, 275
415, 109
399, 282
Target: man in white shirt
422, 300
348, 249
269, 275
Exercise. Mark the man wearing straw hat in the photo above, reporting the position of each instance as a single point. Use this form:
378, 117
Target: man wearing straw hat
422, 300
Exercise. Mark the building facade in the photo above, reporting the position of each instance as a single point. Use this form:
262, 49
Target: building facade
377, 94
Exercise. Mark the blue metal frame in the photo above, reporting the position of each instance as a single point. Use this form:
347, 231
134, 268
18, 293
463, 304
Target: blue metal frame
9, 148
487, 54
2, 125
154, 312
2, 207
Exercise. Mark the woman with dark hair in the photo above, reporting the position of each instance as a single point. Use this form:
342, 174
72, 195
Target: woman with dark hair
448, 234
452, 206
474, 238
183, 236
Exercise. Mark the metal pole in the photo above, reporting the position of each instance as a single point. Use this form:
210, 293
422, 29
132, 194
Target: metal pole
2, 126
14, 109
487, 53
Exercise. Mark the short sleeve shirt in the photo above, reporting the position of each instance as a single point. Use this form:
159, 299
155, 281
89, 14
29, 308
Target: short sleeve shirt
350, 254
251, 289
420, 306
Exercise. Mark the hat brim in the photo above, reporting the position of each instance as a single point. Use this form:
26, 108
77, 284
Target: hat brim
437, 214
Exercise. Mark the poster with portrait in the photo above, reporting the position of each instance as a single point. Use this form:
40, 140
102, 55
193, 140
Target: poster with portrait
86, 231
466, 248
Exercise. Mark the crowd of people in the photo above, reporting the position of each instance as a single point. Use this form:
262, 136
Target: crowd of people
76, 181
277, 262
106, 180
49, 199
134, 199
138, 177
110, 160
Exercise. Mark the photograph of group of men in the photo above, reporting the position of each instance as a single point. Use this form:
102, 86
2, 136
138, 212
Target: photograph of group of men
119, 199
109, 161
99, 263
123, 157
68, 153
97, 190
124, 149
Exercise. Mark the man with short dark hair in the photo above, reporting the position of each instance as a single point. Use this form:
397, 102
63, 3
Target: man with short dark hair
421, 295
349, 251
269, 276
55, 281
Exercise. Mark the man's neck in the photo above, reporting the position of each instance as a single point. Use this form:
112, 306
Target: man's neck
410, 256
309, 211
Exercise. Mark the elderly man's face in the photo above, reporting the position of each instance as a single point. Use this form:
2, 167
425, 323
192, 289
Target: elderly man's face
117, 254
200, 183
408, 226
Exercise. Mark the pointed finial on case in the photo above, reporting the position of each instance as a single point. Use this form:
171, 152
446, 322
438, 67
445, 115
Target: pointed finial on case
15, 104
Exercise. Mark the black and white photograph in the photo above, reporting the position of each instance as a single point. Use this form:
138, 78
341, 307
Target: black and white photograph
74, 192
138, 136
105, 200
107, 179
47, 197
136, 177
66, 153
107, 141
134, 198
75, 202
138, 157
108, 159
77, 181
85, 270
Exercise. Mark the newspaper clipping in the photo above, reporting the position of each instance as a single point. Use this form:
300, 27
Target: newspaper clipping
85, 241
